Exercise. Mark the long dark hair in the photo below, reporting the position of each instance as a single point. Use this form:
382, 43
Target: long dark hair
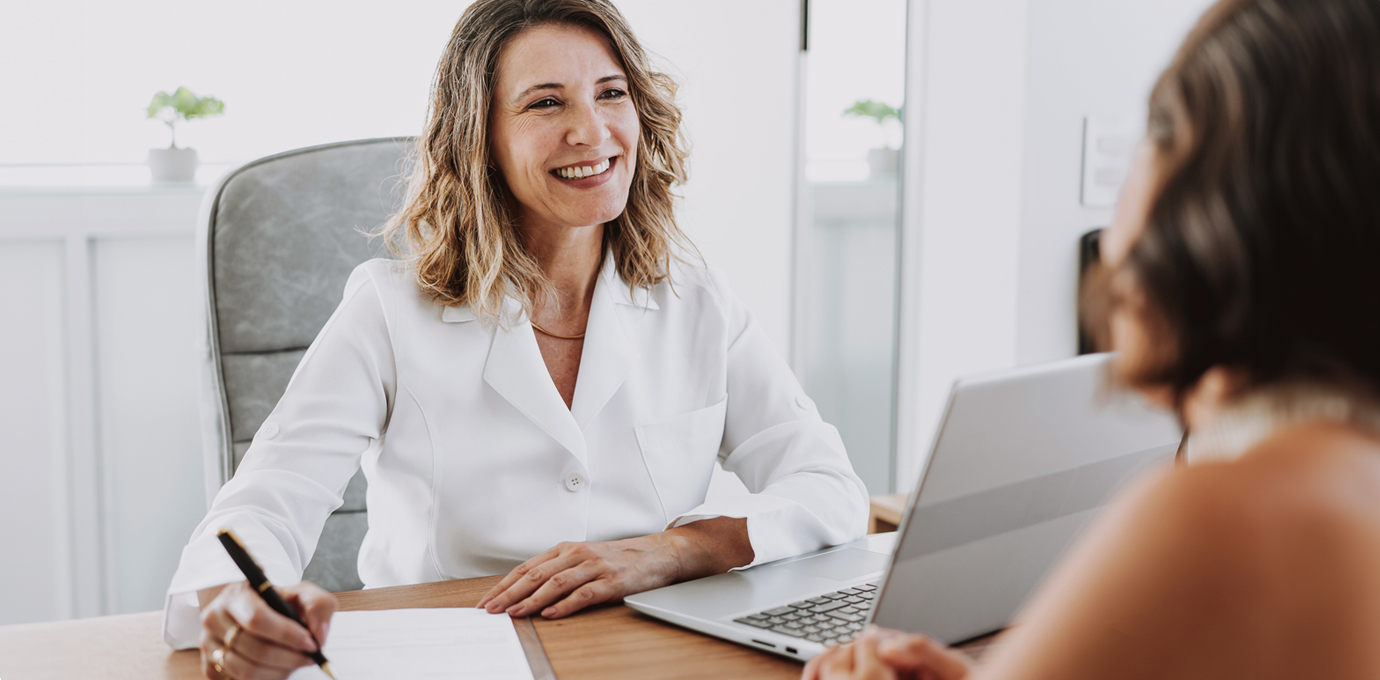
1261, 251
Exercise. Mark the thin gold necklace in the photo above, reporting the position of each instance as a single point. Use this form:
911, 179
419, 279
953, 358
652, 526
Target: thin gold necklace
563, 337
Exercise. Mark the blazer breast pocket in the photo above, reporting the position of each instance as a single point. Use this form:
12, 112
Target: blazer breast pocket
680, 453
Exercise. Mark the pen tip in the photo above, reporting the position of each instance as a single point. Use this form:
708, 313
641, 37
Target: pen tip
327, 667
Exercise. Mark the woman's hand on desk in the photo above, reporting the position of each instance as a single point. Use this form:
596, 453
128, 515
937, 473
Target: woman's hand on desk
882, 654
255, 641
572, 576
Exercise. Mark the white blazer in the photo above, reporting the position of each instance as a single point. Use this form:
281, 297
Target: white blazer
475, 464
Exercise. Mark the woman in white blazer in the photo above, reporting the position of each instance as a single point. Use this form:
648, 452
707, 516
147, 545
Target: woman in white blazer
543, 386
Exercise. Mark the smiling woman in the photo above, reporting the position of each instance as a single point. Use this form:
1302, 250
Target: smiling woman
561, 109
527, 376
558, 65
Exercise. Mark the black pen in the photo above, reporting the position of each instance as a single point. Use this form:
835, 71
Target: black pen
260, 584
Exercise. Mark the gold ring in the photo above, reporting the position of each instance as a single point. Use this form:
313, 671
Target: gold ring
230, 636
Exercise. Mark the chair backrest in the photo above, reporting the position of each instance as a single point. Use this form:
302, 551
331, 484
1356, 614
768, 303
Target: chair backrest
280, 236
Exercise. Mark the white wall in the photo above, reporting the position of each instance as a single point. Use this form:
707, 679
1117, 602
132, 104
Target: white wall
291, 72
1083, 57
857, 51
300, 72
961, 206
736, 65
997, 93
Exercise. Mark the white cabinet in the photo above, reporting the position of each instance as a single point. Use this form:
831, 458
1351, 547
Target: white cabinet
100, 465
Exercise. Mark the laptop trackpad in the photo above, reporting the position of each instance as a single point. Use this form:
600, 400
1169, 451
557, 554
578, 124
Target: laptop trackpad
840, 565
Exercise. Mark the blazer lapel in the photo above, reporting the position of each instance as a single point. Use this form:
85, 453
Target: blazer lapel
610, 344
516, 371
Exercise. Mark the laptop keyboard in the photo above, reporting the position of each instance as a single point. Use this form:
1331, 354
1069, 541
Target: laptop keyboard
830, 619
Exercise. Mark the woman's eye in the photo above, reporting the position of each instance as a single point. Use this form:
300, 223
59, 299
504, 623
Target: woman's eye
544, 103
613, 93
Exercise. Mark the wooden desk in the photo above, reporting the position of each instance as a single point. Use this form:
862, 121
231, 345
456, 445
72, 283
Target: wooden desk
885, 513
608, 643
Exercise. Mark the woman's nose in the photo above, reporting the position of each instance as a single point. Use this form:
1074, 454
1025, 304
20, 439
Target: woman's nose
587, 127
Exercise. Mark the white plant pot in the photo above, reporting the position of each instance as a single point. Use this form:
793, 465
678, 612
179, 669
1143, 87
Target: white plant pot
883, 162
172, 165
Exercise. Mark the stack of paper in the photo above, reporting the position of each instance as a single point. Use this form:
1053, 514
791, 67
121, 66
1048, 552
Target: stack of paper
422, 644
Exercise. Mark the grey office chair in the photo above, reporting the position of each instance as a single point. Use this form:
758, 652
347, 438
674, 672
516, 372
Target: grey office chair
279, 237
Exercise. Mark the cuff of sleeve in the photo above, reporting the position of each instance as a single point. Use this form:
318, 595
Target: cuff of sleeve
205, 564
182, 620
770, 530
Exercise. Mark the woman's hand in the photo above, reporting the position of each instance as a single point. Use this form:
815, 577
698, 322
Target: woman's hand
243, 638
886, 654
572, 576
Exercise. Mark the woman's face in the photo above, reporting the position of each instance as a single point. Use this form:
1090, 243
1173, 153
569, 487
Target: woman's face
1132, 208
563, 127
1128, 317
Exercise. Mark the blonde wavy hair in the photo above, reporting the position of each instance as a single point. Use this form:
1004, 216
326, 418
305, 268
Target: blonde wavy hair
458, 226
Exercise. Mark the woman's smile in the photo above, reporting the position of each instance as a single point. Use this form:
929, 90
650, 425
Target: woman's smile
586, 174
565, 132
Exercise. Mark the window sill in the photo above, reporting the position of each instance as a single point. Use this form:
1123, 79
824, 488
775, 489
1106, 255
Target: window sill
100, 179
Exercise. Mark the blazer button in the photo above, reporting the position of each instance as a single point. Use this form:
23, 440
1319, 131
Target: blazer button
269, 430
575, 481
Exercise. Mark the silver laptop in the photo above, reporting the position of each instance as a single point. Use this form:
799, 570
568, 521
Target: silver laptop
1021, 462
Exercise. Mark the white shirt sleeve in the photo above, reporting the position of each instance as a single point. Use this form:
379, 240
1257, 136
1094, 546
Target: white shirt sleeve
294, 474
804, 493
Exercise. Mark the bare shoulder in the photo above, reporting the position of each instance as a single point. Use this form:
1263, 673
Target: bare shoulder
1309, 492
1290, 536
1260, 567
1321, 467
1311, 498
1291, 484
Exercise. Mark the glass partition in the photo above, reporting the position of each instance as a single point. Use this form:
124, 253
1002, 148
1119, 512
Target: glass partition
854, 83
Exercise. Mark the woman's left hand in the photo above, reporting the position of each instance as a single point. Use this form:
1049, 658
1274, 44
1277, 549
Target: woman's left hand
572, 576
882, 654
859, 660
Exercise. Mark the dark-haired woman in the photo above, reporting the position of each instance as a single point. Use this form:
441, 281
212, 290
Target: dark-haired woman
1243, 282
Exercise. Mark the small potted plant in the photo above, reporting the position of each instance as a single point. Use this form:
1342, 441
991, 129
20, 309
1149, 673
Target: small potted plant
175, 164
882, 160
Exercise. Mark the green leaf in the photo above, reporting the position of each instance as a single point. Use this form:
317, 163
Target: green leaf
183, 104
206, 107
160, 101
878, 111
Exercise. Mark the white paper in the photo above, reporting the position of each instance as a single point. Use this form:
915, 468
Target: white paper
422, 644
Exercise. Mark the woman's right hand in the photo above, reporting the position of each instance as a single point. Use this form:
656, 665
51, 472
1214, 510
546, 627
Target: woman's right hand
244, 639
884, 654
